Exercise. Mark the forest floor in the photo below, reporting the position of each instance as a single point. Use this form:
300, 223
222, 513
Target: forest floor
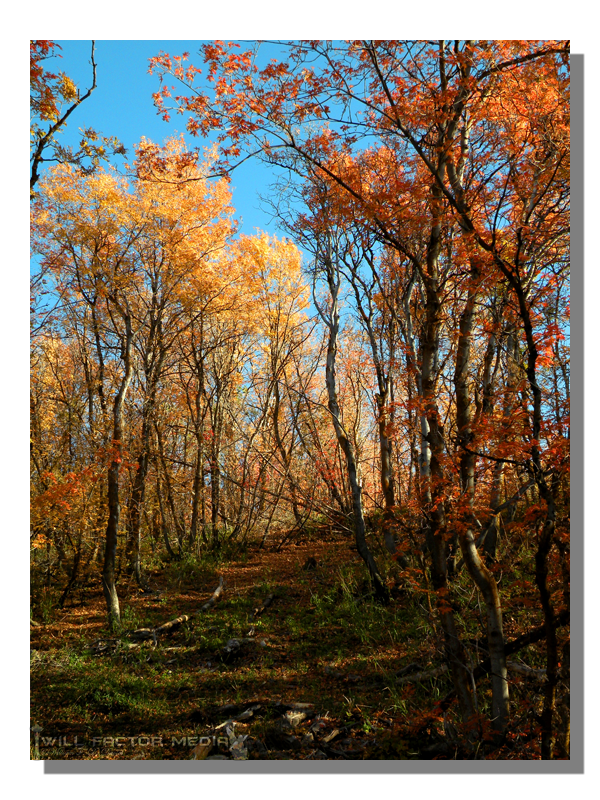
294, 661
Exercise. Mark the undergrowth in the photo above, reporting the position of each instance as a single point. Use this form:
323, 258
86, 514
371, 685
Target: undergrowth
322, 640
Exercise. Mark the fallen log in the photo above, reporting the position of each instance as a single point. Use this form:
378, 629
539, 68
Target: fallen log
485, 666
529, 672
423, 676
258, 611
169, 626
237, 647
215, 596
153, 633
523, 669
100, 646
141, 634
247, 714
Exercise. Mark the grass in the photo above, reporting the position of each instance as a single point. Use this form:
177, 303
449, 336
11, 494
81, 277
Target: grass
323, 640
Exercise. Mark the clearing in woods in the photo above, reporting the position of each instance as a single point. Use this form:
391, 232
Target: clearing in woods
294, 655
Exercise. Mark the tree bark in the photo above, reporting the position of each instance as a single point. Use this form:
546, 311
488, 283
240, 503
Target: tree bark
364, 302
153, 357
547, 493
169, 488
136, 506
481, 576
332, 321
433, 497
286, 455
541, 579
114, 508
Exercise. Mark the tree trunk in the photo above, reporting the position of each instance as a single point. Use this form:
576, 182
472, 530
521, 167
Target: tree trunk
433, 476
137, 504
152, 369
541, 579
285, 455
215, 477
332, 321
114, 508
364, 297
197, 492
110, 552
547, 494
168, 486
385, 470
481, 576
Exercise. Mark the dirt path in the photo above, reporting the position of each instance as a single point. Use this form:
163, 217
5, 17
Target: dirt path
300, 678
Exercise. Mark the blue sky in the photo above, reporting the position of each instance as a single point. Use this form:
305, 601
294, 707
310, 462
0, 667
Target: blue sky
122, 106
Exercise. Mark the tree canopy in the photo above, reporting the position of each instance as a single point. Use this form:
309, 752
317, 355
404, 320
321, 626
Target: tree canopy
397, 364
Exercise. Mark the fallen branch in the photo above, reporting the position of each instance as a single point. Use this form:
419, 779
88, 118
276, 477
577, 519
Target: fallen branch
142, 634
236, 647
102, 646
153, 633
523, 669
423, 676
215, 596
169, 626
247, 714
413, 667
258, 611
535, 635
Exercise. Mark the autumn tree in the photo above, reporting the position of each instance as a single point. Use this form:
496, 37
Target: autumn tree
475, 138
125, 256
53, 98
280, 299
331, 250
185, 339
184, 399
188, 224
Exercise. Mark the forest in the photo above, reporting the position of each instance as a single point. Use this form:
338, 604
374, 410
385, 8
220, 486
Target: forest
305, 494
